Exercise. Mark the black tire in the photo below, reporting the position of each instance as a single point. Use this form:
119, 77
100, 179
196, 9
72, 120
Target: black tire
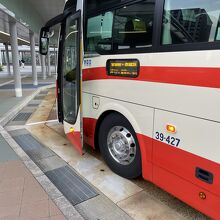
130, 171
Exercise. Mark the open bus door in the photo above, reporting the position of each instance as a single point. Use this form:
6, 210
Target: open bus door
69, 77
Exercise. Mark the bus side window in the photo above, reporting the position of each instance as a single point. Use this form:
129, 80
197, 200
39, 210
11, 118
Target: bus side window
99, 32
217, 36
190, 21
128, 27
133, 26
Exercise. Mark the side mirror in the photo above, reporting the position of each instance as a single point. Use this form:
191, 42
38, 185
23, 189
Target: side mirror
44, 41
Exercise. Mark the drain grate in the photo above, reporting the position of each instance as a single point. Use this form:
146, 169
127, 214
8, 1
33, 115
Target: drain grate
33, 105
35, 102
35, 150
22, 116
74, 188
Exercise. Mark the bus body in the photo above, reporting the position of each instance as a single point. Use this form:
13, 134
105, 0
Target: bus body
140, 80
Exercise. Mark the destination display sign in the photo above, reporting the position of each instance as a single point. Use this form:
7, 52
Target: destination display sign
124, 68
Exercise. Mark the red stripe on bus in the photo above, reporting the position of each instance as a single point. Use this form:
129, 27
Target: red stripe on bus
187, 192
173, 159
183, 164
57, 88
75, 139
174, 170
146, 148
191, 76
89, 125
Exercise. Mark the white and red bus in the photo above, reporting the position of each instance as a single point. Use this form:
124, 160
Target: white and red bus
140, 79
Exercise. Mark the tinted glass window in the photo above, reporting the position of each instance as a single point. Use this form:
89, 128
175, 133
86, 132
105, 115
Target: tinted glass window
70, 101
133, 26
98, 4
99, 32
128, 27
190, 21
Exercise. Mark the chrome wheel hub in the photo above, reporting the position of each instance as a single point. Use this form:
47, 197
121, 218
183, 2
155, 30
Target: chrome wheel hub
121, 145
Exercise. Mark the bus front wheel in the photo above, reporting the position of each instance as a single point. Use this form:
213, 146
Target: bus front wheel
119, 146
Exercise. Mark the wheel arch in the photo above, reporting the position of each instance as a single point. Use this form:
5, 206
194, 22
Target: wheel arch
99, 121
118, 109
145, 143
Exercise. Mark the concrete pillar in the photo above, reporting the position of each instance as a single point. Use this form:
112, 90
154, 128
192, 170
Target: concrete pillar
55, 59
33, 58
15, 58
7, 58
48, 63
43, 67
39, 58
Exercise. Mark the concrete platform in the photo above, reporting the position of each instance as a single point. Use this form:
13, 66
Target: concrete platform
117, 198
22, 197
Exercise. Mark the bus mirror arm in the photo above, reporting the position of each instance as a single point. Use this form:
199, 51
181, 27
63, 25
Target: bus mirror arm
56, 20
45, 32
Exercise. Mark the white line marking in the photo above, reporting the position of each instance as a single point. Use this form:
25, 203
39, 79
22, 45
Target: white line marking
11, 81
41, 122
5, 83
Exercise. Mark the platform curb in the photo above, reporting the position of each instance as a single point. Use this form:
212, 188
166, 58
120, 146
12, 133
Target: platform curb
55, 195
9, 115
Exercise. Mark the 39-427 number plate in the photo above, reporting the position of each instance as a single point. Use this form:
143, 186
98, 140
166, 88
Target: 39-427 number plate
167, 139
